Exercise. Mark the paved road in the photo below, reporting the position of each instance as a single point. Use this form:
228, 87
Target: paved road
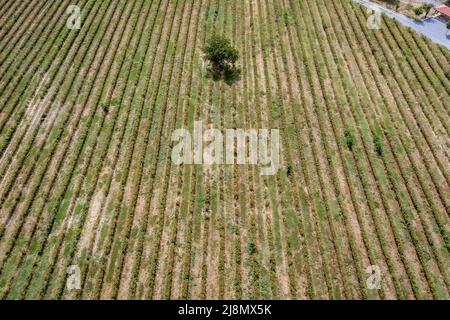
433, 28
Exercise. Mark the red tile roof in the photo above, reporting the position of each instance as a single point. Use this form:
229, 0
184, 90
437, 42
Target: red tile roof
443, 9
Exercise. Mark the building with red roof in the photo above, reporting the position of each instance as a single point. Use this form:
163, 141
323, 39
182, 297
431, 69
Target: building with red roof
443, 9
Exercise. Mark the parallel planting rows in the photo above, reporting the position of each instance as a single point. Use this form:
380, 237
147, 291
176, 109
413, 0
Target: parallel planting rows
87, 180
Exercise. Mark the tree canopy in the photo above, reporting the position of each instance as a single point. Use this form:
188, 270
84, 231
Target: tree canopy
219, 52
222, 57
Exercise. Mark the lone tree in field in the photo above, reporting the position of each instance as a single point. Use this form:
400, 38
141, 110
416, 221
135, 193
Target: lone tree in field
222, 57
349, 139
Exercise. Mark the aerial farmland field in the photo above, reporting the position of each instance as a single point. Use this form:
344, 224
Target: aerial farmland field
94, 204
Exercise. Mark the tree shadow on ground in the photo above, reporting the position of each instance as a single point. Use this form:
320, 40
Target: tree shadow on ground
226, 73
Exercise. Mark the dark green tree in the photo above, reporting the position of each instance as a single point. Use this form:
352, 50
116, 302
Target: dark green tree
349, 139
418, 11
222, 58
219, 52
